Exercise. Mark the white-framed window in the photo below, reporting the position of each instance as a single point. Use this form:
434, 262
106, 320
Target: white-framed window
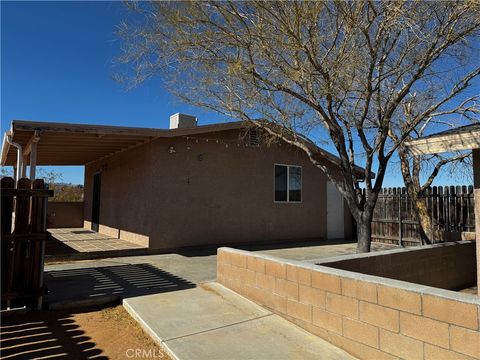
287, 183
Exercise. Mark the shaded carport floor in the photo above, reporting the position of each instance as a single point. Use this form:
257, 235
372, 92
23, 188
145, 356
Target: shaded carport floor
79, 242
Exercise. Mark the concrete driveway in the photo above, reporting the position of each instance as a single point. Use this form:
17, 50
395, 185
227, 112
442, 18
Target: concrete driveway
82, 282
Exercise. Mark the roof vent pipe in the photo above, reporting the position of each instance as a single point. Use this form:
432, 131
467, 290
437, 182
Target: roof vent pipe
19, 156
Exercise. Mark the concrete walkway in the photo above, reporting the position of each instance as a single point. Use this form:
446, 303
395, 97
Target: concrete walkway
107, 280
212, 322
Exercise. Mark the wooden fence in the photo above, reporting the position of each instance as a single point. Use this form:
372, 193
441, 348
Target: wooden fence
23, 230
451, 209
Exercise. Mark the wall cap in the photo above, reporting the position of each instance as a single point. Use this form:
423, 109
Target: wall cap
403, 285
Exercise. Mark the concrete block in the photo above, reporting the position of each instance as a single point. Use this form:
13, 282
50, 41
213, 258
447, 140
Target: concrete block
400, 345
312, 296
326, 282
465, 341
425, 329
400, 299
342, 305
359, 290
361, 332
451, 311
327, 320
379, 316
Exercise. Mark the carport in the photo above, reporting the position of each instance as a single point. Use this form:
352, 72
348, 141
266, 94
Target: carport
28, 144
32, 143
462, 138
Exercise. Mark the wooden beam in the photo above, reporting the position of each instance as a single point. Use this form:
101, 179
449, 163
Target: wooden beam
33, 140
19, 125
33, 160
5, 149
446, 143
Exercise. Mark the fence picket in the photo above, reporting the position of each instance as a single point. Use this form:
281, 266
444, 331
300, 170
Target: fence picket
450, 207
22, 248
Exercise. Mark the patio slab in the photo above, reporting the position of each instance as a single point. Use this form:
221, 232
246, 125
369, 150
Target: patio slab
212, 322
80, 243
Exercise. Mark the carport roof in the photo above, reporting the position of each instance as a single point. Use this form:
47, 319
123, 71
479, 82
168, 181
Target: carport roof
79, 144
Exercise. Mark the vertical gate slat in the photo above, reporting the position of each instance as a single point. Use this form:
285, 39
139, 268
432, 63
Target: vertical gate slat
451, 209
38, 225
7, 247
22, 248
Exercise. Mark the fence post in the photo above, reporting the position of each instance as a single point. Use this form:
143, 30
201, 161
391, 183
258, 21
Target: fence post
21, 248
38, 225
400, 230
6, 229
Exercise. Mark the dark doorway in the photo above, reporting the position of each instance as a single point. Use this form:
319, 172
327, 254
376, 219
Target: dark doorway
96, 201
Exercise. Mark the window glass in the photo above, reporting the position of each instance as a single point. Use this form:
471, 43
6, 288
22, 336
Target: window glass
280, 183
295, 183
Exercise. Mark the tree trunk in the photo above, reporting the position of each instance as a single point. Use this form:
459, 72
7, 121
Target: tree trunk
425, 228
412, 183
421, 211
364, 233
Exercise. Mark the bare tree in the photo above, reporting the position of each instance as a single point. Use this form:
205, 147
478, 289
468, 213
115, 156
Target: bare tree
430, 165
336, 71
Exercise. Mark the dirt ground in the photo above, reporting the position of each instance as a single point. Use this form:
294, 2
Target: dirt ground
80, 334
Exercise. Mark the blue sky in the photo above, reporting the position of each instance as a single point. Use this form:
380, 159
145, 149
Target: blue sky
57, 65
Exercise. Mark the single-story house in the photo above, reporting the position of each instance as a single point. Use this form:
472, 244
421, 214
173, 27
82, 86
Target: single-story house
187, 185
461, 138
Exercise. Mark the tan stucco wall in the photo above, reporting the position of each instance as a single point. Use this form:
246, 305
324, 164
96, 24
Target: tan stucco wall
205, 193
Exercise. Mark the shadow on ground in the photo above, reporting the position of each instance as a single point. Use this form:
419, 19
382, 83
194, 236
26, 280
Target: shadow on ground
54, 246
109, 283
45, 334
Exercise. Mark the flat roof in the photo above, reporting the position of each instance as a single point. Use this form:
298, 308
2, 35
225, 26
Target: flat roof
80, 144
461, 138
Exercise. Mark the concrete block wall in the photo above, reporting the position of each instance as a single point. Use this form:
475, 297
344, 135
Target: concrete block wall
64, 214
450, 266
368, 316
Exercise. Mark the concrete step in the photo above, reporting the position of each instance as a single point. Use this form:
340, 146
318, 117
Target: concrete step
213, 322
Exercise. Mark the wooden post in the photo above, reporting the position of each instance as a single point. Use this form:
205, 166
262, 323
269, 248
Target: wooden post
33, 161
7, 247
38, 225
21, 253
24, 166
476, 185
400, 230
